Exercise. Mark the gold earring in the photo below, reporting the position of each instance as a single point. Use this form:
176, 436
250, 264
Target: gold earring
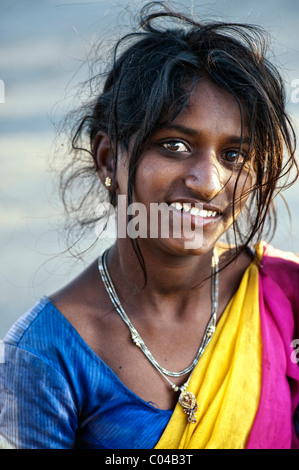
108, 181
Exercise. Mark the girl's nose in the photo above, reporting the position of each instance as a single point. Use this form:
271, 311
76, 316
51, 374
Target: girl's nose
204, 178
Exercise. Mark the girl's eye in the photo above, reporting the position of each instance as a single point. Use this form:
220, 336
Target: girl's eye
175, 146
234, 157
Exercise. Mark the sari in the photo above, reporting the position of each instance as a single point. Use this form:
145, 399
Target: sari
247, 381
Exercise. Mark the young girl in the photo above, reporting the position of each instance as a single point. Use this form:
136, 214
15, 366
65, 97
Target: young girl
183, 333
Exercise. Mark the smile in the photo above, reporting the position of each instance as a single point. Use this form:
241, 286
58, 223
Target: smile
192, 210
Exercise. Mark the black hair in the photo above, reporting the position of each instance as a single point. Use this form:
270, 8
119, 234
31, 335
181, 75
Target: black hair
147, 84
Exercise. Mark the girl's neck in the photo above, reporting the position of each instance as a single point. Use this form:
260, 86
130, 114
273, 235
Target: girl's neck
172, 282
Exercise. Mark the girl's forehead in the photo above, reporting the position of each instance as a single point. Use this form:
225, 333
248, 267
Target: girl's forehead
211, 107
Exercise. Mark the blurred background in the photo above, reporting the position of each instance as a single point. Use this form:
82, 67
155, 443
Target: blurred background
43, 50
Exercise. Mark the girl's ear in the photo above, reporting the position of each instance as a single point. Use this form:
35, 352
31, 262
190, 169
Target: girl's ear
103, 155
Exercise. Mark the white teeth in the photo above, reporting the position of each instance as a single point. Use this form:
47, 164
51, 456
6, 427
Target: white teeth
177, 205
194, 211
187, 207
204, 213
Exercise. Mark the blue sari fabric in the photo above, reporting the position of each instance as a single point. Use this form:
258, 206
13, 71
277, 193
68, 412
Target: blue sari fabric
56, 393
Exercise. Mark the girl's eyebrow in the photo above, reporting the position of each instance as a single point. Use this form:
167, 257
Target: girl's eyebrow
234, 139
180, 128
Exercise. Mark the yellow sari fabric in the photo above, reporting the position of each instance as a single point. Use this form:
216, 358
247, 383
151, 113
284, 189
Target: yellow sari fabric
226, 380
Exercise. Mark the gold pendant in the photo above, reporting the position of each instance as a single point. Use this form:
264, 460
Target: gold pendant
188, 401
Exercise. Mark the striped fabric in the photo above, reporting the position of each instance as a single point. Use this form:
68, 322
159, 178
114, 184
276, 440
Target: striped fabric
56, 393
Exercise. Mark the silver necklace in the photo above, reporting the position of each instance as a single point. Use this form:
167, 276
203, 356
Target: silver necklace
186, 399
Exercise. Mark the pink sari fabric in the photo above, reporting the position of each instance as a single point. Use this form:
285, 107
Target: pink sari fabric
274, 426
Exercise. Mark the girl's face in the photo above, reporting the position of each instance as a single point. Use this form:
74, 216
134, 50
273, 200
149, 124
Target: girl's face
191, 166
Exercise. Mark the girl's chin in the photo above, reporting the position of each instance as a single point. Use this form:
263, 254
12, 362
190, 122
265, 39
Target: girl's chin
186, 246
